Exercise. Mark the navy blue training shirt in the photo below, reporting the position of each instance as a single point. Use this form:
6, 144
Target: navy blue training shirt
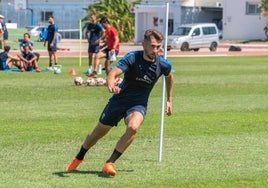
139, 77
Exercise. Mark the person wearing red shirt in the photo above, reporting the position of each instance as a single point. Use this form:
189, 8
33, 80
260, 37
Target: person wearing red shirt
110, 51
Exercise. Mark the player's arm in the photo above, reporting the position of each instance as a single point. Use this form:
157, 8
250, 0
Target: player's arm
54, 39
13, 57
30, 46
21, 48
102, 37
116, 41
169, 87
34, 58
113, 74
20, 56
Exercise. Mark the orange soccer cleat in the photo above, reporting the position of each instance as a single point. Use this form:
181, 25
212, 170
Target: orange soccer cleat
73, 164
109, 168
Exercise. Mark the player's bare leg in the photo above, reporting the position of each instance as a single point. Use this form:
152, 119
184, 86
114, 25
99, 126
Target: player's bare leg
133, 122
91, 139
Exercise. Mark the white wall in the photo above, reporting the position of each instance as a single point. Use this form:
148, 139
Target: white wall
145, 15
239, 26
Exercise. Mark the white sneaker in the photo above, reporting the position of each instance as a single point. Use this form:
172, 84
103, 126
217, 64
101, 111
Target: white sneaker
89, 71
50, 69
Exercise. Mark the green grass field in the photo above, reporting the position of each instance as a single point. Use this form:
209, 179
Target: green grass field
216, 137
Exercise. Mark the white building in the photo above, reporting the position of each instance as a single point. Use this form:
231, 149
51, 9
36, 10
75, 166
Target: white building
152, 14
241, 20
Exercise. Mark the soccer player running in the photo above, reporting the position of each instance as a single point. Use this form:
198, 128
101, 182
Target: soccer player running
51, 41
94, 32
112, 42
141, 71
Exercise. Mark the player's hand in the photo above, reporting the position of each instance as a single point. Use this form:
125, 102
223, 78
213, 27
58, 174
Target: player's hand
114, 89
169, 108
112, 51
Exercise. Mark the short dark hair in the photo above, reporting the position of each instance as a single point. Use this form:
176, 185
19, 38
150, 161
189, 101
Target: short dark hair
6, 48
50, 16
104, 20
27, 34
153, 32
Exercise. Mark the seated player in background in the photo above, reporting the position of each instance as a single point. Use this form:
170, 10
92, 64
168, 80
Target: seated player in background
7, 60
27, 42
28, 60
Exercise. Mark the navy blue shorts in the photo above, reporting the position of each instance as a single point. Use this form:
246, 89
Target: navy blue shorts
5, 36
114, 112
93, 48
106, 52
3, 66
52, 49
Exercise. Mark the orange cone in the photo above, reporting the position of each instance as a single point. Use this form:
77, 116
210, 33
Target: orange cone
72, 72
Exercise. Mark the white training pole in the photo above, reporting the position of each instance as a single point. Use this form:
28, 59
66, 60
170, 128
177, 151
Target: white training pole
80, 42
163, 91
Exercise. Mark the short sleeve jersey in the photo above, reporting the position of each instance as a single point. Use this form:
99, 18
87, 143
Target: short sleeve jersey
52, 28
95, 32
4, 26
111, 33
3, 56
139, 77
24, 43
28, 56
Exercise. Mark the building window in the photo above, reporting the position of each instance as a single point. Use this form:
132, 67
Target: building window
44, 15
252, 8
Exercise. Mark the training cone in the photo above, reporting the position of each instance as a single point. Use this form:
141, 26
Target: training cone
72, 72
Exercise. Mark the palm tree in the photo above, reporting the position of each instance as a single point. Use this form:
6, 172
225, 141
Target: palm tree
264, 7
119, 14
264, 12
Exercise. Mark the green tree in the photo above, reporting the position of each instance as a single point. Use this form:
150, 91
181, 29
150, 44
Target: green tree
119, 14
264, 12
264, 7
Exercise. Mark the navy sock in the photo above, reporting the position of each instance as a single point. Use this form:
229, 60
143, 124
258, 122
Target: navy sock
82, 153
115, 155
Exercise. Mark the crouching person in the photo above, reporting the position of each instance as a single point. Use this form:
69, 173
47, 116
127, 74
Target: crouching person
28, 60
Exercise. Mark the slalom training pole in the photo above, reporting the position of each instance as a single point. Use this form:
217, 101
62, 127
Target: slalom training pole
163, 92
80, 42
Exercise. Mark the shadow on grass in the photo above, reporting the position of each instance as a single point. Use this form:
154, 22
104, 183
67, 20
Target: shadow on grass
64, 174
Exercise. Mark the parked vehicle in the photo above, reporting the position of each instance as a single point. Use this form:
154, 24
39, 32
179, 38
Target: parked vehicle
35, 30
193, 37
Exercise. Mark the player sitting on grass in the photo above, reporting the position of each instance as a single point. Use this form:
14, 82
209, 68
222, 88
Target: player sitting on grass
28, 60
27, 42
6, 59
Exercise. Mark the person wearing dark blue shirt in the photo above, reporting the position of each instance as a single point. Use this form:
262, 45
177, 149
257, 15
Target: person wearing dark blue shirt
7, 60
27, 42
141, 71
3, 30
51, 41
28, 60
94, 32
